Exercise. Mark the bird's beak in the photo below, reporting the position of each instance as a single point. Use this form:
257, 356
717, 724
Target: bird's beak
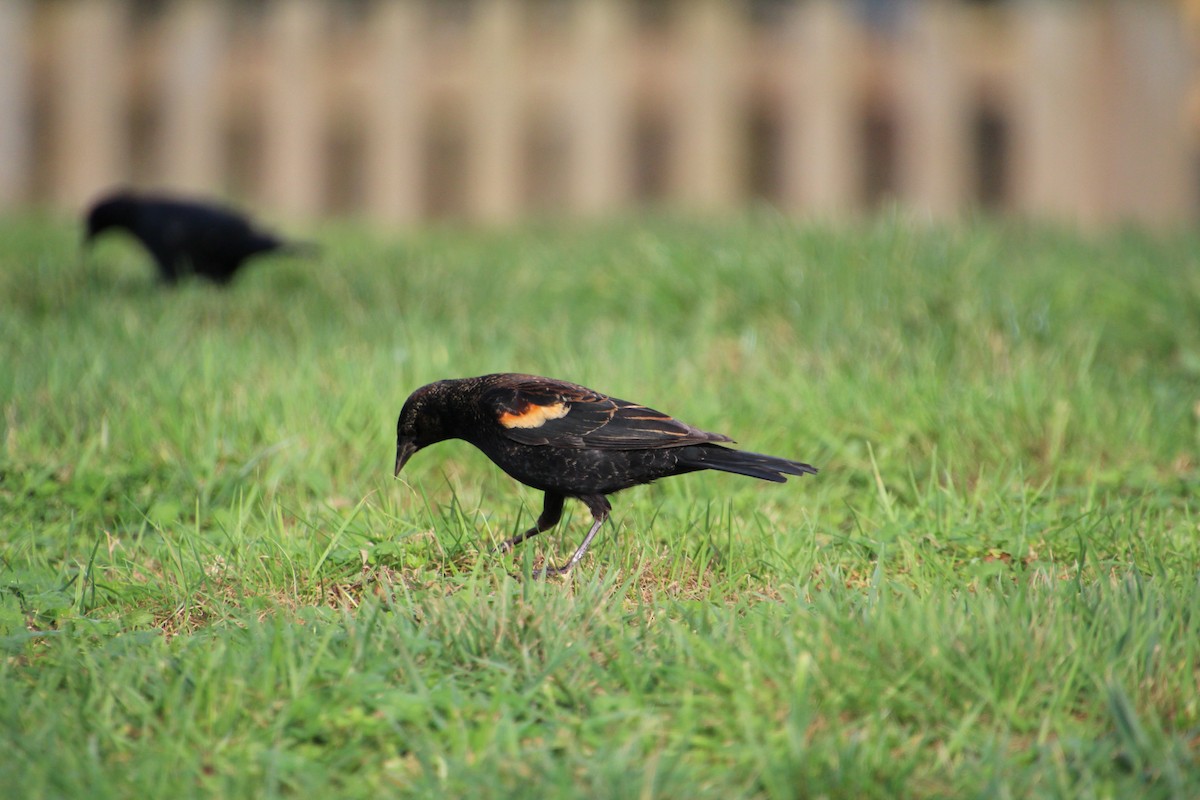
404, 450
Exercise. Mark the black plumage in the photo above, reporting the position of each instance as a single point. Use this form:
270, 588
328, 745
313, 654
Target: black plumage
569, 441
186, 236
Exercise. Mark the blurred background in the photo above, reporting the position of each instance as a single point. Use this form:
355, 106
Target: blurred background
492, 111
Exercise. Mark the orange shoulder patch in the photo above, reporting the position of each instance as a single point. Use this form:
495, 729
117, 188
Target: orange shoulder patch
533, 415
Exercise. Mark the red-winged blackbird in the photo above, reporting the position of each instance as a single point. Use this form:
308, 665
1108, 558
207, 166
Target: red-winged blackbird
185, 236
569, 441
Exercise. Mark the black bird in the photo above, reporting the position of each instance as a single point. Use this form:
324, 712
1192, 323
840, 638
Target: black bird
569, 441
185, 236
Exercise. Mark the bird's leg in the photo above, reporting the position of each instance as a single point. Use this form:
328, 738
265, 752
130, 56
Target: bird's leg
599, 506
552, 508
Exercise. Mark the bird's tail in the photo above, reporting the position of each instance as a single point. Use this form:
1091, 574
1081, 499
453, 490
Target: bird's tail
755, 465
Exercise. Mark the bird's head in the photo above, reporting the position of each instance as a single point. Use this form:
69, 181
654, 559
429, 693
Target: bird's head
113, 211
423, 421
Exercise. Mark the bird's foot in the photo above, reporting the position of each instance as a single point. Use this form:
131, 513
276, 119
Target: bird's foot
542, 573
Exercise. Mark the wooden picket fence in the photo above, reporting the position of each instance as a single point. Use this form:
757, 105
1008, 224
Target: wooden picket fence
493, 110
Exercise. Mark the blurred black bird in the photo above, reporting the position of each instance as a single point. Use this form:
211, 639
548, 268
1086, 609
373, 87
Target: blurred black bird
569, 441
186, 236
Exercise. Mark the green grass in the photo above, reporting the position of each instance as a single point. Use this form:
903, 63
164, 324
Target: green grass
211, 585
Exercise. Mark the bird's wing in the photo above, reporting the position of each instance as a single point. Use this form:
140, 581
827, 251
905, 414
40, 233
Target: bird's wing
540, 411
206, 230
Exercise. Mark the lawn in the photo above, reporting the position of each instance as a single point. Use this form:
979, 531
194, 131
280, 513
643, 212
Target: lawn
211, 584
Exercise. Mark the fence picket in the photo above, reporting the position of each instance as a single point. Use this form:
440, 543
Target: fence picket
935, 108
601, 107
820, 105
494, 136
189, 154
89, 101
294, 152
16, 150
1153, 157
708, 170
396, 106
